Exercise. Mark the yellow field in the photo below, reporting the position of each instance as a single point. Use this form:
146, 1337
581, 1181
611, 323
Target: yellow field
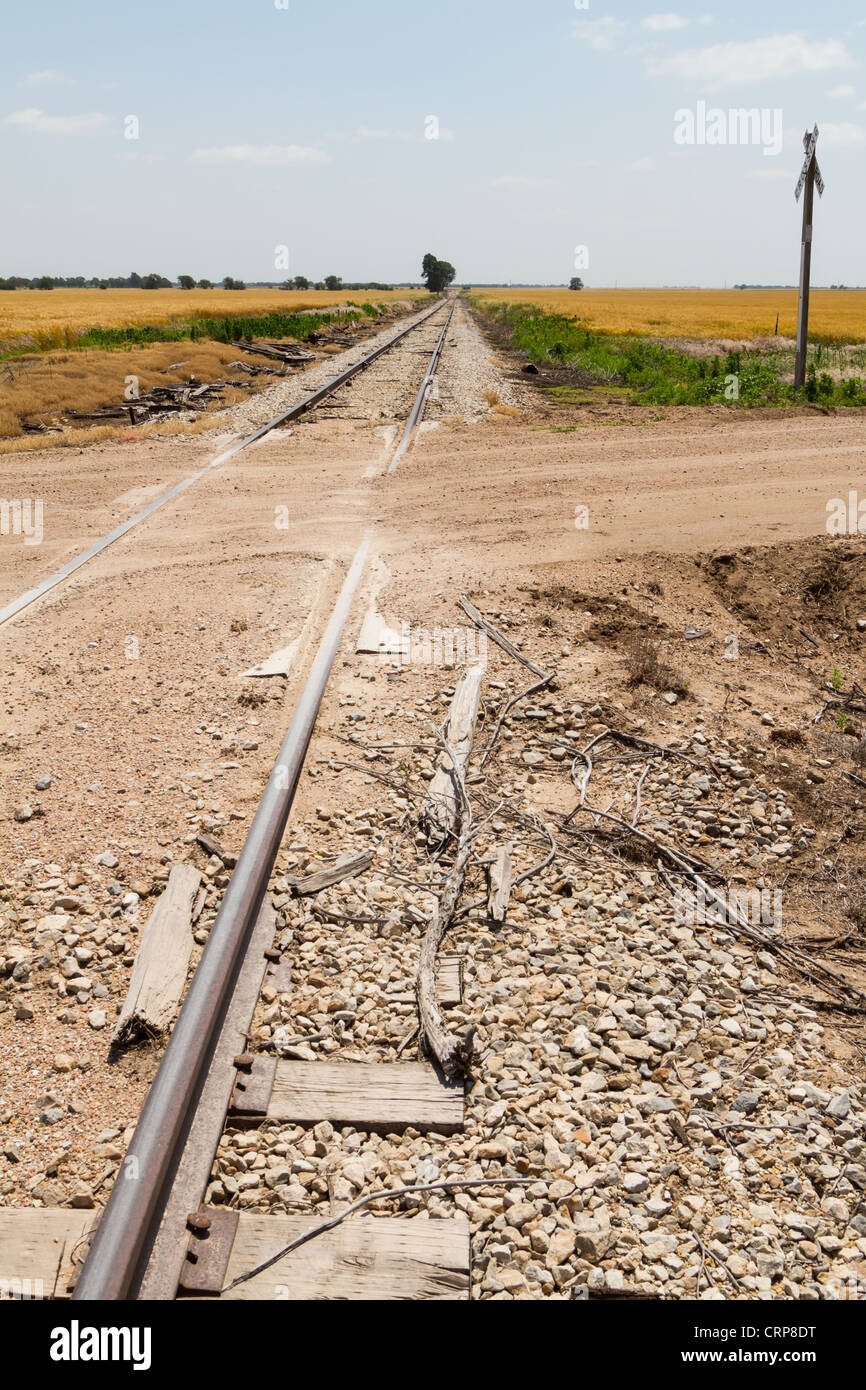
29, 311
834, 315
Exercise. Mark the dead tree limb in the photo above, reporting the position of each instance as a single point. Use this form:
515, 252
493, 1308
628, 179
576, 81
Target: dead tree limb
499, 637
441, 811
499, 884
452, 1051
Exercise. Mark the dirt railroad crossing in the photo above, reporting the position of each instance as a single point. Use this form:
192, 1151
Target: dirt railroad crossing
590, 751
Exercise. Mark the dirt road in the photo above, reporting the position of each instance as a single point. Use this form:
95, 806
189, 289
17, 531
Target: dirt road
583, 538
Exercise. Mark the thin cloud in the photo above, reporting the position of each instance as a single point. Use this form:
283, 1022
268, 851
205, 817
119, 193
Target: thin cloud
664, 23
366, 132
34, 119
841, 92
263, 156
772, 175
601, 34
522, 181
645, 165
46, 75
838, 135
726, 64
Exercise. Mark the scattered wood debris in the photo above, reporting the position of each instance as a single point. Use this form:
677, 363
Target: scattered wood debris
161, 964
346, 866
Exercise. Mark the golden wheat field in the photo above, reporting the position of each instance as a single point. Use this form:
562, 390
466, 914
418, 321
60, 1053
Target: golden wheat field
834, 315
32, 311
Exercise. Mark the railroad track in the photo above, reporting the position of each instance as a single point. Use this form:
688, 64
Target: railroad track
308, 404
156, 1238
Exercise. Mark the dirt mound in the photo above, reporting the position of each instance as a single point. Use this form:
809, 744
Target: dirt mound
798, 591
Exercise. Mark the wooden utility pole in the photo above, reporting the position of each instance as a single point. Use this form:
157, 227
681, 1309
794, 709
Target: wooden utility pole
810, 175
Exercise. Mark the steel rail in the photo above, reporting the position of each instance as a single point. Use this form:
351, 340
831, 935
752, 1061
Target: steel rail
133, 1210
308, 403
121, 1246
421, 399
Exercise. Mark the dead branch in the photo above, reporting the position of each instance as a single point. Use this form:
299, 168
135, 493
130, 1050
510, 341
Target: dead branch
365, 1202
499, 638
452, 1051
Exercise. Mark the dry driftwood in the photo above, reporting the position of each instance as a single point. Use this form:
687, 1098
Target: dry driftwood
499, 637
441, 810
279, 353
347, 866
211, 845
453, 1051
499, 884
544, 677
162, 961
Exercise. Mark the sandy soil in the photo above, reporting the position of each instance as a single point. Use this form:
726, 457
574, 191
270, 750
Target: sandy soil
124, 687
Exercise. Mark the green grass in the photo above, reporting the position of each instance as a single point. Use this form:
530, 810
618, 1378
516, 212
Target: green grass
219, 329
655, 375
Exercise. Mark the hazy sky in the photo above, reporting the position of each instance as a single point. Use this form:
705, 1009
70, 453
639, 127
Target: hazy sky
305, 123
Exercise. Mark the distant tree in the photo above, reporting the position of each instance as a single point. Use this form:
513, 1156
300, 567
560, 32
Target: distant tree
333, 282
155, 282
436, 274
230, 284
575, 283
186, 282
44, 282
301, 282
205, 284
6, 284
134, 280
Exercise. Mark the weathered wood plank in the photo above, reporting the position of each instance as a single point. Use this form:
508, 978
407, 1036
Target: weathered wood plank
499, 884
382, 1096
348, 865
367, 1258
162, 960
35, 1244
442, 806
449, 981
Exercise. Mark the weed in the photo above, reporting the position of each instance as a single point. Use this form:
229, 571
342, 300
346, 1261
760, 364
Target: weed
646, 667
654, 374
251, 697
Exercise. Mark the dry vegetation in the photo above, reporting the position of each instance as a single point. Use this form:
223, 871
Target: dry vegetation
742, 315
26, 311
36, 389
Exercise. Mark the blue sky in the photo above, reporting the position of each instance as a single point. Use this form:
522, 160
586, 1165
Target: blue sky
306, 126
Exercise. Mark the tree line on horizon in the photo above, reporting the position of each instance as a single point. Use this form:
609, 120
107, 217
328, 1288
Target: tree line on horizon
154, 281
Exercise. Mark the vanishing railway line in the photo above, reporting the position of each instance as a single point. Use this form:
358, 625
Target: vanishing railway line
155, 1240
309, 403
616, 1049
